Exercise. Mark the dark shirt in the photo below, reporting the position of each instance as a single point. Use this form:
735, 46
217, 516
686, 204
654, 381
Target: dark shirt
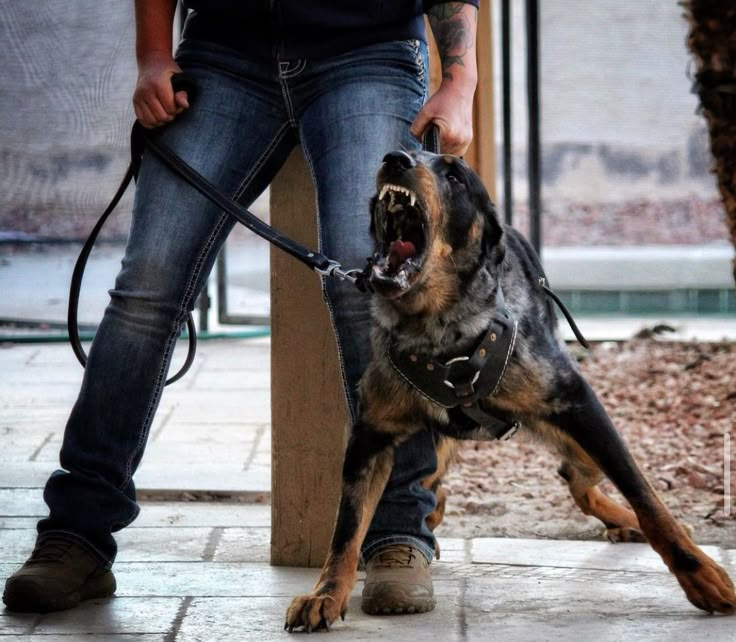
295, 29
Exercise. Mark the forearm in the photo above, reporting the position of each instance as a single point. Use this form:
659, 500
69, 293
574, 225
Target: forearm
454, 26
153, 22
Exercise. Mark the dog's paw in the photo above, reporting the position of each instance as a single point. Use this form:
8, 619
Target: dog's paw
706, 584
314, 612
622, 534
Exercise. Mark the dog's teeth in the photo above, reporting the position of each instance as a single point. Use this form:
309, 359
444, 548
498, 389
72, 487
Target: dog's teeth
412, 199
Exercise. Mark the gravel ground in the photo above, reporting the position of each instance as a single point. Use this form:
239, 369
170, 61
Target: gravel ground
672, 402
686, 221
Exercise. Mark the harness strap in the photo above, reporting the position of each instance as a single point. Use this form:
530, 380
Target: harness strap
568, 316
463, 382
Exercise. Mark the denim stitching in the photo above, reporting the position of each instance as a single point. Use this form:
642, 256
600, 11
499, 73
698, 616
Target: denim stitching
188, 293
290, 73
340, 353
168, 350
289, 105
261, 161
418, 59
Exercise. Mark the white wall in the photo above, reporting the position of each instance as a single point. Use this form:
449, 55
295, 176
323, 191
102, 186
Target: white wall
618, 118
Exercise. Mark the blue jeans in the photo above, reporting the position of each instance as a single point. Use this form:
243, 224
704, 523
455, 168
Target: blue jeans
346, 112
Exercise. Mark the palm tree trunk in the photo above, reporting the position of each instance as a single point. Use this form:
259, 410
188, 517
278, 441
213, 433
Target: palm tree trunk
712, 41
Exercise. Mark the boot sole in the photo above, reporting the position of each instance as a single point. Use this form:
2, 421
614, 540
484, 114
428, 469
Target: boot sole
395, 605
29, 598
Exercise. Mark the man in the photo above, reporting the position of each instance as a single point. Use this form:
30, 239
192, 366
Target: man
348, 81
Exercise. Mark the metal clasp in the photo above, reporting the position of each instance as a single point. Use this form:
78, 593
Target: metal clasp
512, 430
335, 269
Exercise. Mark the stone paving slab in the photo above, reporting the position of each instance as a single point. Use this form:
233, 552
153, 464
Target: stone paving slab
193, 571
199, 571
192, 434
211, 432
220, 604
591, 555
22, 502
223, 477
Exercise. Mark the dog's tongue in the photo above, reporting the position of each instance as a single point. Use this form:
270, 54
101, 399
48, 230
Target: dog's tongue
399, 251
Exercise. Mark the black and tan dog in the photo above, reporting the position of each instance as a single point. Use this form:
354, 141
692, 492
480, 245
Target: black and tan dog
465, 345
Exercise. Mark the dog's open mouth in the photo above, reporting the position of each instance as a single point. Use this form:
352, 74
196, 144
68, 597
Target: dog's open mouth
400, 228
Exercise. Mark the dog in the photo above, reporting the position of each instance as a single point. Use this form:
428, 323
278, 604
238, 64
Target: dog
465, 345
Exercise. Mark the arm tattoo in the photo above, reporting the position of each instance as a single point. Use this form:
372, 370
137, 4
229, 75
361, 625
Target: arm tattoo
453, 32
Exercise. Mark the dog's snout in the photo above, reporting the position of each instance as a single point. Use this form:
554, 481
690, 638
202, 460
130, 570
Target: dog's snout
399, 161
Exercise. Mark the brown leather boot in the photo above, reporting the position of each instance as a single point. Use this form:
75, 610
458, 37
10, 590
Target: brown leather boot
59, 574
397, 580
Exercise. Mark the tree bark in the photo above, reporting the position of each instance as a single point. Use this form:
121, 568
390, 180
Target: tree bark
712, 41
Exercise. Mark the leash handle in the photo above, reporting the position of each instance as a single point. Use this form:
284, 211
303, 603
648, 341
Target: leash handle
431, 139
185, 83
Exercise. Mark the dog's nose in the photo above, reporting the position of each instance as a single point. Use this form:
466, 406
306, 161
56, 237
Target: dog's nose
399, 160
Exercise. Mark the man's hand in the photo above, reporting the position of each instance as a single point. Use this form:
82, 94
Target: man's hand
154, 100
454, 27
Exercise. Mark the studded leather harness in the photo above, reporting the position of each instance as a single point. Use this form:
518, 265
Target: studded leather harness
463, 381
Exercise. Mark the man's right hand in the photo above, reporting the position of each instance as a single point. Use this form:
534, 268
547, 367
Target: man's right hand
154, 100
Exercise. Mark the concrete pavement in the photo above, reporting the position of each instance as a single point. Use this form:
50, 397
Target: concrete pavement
198, 570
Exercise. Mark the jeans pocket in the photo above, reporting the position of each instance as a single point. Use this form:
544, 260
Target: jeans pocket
418, 51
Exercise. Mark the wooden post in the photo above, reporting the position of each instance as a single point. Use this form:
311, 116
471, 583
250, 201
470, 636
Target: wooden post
308, 414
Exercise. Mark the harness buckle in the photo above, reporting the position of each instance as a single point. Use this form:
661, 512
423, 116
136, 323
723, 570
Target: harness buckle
510, 431
466, 386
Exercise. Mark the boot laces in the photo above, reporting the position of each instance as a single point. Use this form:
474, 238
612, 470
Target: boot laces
50, 550
395, 556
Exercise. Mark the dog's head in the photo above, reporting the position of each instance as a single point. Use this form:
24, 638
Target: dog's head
434, 225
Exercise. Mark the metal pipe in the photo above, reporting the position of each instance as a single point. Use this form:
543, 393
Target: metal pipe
508, 196
534, 138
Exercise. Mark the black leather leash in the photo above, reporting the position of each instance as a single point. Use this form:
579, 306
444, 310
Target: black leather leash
141, 139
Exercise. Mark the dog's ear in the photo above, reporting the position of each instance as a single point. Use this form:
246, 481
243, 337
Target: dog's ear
494, 245
493, 242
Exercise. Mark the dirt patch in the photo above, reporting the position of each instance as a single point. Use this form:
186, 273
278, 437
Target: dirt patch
672, 402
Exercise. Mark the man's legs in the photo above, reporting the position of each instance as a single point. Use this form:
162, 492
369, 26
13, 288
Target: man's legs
236, 133
351, 111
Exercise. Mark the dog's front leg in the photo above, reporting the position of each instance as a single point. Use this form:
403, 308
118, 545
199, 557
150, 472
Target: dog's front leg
705, 583
368, 462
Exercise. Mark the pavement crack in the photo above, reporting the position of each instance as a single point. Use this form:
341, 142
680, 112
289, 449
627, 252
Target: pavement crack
38, 450
213, 541
462, 620
178, 619
254, 448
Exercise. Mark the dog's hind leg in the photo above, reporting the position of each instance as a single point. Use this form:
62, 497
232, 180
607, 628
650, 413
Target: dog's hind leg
368, 462
446, 449
582, 417
582, 476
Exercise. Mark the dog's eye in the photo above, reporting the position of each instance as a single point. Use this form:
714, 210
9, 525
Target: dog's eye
452, 177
